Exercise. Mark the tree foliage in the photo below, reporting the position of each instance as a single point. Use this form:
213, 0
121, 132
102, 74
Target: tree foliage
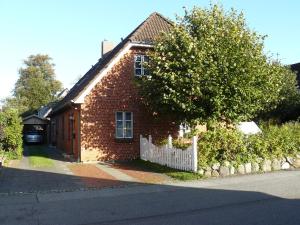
211, 66
37, 85
11, 132
289, 106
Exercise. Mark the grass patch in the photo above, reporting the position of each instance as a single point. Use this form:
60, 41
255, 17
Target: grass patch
8, 155
176, 174
38, 157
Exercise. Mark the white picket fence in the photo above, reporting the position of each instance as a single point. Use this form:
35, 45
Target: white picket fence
169, 156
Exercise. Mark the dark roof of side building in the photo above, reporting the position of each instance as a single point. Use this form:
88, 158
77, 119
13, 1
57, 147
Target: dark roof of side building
145, 33
296, 68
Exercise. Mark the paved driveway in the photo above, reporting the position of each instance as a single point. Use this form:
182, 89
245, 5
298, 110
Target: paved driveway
22, 177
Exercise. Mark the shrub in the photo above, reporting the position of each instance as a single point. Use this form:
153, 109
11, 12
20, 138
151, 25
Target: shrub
282, 140
223, 144
11, 133
180, 143
258, 146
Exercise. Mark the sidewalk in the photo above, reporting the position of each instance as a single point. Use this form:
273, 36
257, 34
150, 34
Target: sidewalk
62, 176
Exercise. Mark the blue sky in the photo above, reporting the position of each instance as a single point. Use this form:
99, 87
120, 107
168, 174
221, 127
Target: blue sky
71, 31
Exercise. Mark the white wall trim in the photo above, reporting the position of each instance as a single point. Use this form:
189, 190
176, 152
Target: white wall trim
142, 45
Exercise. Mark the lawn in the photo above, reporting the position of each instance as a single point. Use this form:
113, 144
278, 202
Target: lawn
176, 174
38, 157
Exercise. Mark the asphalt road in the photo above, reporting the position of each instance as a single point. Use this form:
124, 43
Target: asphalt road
255, 199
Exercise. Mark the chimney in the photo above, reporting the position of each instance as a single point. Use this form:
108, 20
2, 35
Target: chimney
107, 46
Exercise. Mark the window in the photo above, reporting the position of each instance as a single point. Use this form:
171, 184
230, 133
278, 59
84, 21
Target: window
139, 65
184, 129
124, 124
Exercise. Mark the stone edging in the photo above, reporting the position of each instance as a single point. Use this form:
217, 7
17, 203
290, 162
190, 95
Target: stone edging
262, 165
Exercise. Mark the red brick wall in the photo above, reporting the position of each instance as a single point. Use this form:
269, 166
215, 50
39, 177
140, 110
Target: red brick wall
117, 92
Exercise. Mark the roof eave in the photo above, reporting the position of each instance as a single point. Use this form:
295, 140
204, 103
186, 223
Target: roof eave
80, 98
61, 108
33, 115
142, 44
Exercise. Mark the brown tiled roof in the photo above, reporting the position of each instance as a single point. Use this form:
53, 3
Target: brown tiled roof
150, 29
145, 33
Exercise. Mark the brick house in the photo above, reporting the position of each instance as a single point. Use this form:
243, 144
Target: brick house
102, 117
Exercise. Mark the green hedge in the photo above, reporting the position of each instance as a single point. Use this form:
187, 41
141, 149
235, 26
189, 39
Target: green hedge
11, 134
223, 144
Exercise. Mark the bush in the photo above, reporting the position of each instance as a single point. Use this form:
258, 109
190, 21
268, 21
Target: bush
223, 144
180, 143
11, 133
282, 140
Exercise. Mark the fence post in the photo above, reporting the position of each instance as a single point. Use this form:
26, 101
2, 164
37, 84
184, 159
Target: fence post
149, 148
150, 139
141, 150
170, 144
195, 154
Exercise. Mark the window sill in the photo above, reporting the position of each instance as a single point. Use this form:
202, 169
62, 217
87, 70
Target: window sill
140, 76
124, 140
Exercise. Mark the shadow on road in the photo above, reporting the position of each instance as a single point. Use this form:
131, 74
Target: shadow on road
139, 203
14, 180
47, 151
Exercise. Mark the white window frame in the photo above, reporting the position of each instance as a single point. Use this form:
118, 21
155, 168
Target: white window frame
143, 69
184, 128
124, 124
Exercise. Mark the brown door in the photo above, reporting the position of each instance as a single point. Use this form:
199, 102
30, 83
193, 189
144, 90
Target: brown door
53, 133
72, 133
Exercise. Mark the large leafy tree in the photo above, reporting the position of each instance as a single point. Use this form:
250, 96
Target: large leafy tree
211, 66
37, 84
